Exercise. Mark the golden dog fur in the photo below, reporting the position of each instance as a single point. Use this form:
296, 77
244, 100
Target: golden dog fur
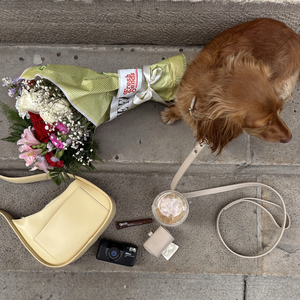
241, 80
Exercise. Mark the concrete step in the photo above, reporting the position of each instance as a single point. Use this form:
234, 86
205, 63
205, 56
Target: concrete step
141, 156
91, 285
152, 22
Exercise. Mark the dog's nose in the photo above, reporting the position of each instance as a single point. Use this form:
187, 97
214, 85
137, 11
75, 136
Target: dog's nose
286, 140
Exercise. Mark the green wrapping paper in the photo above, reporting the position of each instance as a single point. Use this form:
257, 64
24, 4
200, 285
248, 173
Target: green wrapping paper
92, 93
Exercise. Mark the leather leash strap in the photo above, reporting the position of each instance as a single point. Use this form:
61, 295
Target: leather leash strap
286, 219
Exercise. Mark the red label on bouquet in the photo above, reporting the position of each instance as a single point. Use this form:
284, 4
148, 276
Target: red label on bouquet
130, 81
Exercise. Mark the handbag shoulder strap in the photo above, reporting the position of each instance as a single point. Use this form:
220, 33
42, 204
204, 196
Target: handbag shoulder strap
39, 177
27, 179
30, 179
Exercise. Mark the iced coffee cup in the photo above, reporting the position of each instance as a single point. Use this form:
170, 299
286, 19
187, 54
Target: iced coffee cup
170, 208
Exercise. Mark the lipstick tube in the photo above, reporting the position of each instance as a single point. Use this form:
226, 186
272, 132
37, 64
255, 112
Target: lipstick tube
126, 224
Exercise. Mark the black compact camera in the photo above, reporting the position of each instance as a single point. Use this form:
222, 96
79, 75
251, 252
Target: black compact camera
117, 253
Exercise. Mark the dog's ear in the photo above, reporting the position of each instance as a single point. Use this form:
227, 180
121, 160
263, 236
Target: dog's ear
217, 133
218, 123
221, 106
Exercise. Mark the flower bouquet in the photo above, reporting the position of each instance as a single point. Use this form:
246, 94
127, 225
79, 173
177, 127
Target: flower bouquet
58, 108
53, 136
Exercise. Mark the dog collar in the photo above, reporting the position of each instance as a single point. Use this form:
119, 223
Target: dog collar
192, 108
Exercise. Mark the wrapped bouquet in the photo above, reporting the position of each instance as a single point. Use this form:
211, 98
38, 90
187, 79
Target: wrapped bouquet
58, 108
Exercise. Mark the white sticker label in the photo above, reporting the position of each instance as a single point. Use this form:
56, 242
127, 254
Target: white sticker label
130, 81
169, 251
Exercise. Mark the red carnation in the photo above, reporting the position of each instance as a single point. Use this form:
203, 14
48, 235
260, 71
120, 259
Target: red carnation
38, 124
54, 161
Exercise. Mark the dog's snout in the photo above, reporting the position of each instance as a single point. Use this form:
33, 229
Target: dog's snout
286, 140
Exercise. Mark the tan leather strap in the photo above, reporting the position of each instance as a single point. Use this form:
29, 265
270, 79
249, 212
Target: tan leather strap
29, 179
40, 177
194, 153
26, 179
286, 219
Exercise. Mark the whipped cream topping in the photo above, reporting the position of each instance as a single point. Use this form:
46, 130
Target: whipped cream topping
170, 204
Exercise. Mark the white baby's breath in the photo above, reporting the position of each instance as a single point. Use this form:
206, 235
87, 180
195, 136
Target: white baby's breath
50, 109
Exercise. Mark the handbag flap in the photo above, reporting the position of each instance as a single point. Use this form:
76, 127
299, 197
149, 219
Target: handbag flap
72, 226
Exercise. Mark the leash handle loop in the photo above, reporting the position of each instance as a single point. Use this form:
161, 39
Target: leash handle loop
286, 219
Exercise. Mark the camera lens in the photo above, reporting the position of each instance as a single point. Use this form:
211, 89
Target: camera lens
113, 253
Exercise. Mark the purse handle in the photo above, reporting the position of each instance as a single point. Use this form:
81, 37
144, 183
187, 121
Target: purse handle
40, 177
286, 219
35, 178
27, 179
30, 179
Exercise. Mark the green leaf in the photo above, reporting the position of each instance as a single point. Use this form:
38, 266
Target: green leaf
17, 123
11, 139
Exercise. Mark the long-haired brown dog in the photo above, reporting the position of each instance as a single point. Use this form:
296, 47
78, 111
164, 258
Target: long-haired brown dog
240, 82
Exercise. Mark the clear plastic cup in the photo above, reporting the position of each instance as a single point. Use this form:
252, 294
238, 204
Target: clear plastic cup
170, 208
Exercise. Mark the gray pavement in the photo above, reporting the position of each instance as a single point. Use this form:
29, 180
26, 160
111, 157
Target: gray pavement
141, 156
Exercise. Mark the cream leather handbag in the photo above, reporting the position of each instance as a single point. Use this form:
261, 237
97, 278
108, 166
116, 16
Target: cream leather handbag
68, 226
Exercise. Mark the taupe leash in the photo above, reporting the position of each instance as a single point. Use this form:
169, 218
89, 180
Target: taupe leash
286, 219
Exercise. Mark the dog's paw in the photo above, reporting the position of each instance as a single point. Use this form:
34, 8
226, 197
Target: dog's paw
169, 115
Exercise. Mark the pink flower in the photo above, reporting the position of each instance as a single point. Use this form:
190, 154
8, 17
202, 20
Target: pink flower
62, 128
25, 148
28, 138
58, 144
29, 154
41, 164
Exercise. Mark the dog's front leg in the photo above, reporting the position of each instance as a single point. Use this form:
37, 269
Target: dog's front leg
170, 115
